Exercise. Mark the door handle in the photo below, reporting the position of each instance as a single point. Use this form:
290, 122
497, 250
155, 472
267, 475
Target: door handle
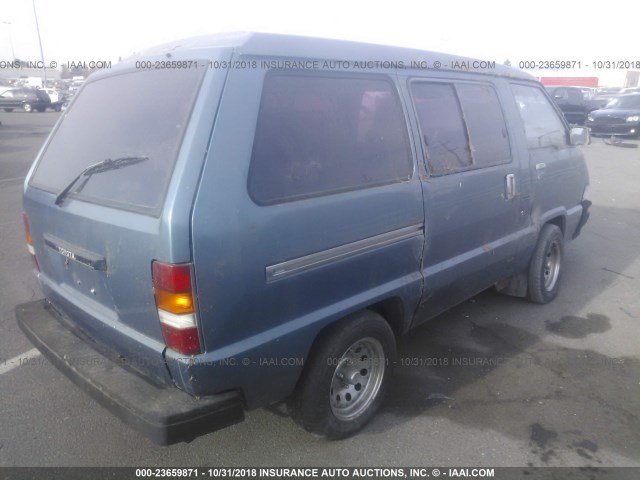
510, 186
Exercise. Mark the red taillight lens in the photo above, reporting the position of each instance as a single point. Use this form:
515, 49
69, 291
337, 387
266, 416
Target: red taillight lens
176, 306
30, 248
173, 278
185, 341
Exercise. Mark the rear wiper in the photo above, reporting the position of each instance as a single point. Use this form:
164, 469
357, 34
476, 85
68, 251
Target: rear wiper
103, 166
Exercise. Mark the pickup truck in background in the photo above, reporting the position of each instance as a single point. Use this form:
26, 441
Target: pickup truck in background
573, 103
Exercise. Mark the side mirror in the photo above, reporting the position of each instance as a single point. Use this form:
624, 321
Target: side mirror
579, 136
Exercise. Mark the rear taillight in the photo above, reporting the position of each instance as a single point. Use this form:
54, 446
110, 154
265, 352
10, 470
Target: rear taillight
30, 248
176, 306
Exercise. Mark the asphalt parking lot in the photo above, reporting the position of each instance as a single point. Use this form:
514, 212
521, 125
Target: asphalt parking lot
494, 382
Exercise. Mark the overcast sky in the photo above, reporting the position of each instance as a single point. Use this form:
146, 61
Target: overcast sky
538, 30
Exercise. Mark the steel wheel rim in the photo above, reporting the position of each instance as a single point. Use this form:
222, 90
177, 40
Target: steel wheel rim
551, 269
357, 379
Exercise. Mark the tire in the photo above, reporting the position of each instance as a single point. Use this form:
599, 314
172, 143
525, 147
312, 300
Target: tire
546, 265
8, 109
57, 108
27, 107
345, 376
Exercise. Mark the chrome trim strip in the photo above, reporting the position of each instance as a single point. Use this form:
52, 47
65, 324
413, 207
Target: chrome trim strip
301, 264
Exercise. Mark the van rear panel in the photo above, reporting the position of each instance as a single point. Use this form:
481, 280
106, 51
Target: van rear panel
109, 297
129, 151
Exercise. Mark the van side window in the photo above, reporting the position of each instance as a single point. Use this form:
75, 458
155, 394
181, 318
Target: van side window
462, 125
486, 125
317, 135
442, 127
542, 125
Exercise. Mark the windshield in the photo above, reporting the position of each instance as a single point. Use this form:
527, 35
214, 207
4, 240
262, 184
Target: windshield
136, 114
627, 101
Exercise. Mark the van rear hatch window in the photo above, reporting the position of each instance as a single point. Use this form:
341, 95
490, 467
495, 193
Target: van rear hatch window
142, 113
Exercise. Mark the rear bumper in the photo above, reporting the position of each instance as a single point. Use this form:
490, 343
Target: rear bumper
165, 414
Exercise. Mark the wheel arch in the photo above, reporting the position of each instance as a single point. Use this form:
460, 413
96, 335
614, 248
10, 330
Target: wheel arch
560, 221
394, 312
328, 344
518, 285
391, 310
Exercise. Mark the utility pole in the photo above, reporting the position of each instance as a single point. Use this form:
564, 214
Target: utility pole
44, 67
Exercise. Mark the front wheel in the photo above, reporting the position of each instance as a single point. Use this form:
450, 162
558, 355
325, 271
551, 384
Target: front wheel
28, 107
345, 378
546, 265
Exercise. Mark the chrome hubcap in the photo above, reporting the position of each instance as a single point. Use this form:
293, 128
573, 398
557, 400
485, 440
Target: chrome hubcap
357, 379
551, 266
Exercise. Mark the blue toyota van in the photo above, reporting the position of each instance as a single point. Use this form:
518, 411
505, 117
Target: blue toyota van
229, 221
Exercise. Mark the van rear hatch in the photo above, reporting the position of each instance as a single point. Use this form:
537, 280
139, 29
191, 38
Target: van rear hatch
95, 206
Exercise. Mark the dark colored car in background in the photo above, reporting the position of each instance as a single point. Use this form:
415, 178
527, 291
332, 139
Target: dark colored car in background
572, 102
621, 116
628, 90
604, 95
29, 99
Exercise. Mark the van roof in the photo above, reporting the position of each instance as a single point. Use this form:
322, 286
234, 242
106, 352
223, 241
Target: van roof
271, 45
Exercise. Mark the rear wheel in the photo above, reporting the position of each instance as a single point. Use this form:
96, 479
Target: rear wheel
546, 265
345, 378
27, 107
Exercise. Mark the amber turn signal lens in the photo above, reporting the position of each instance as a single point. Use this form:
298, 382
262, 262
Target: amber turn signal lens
27, 231
174, 302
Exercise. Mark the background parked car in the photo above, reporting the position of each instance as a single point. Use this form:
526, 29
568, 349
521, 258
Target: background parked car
621, 116
603, 95
588, 93
608, 91
57, 98
572, 103
28, 99
628, 90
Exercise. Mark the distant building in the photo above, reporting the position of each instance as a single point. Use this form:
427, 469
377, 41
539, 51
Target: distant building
589, 78
29, 74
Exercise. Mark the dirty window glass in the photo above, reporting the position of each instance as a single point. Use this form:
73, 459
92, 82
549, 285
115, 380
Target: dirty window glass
442, 127
485, 123
318, 135
542, 125
141, 113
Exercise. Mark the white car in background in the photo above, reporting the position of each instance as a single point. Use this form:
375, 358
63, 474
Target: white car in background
57, 98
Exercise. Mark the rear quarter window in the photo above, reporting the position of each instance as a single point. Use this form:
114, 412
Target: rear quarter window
318, 135
138, 113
